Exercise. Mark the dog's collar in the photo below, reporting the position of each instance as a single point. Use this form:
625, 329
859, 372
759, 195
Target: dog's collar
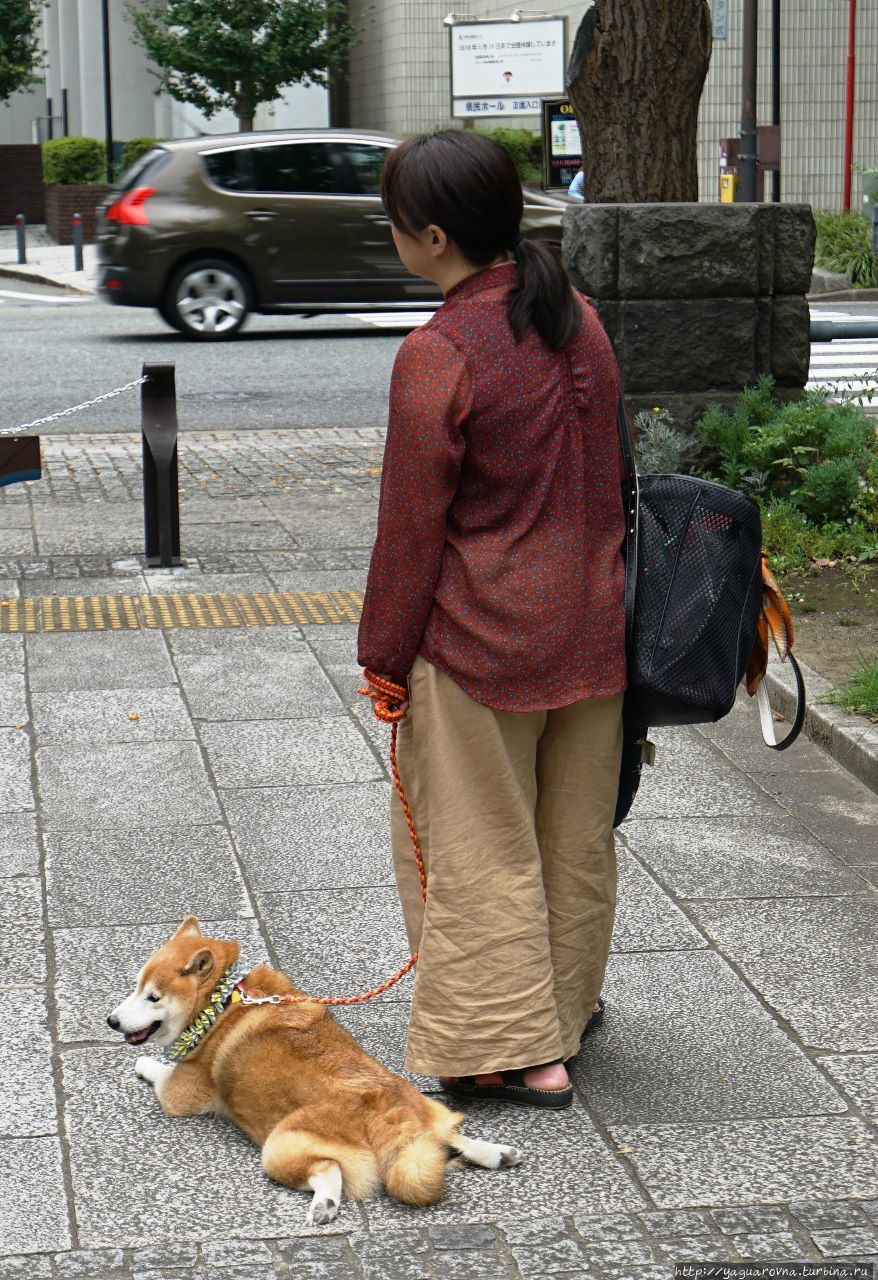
223, 994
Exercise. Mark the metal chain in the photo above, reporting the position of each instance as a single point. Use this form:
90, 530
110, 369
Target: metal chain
86, 404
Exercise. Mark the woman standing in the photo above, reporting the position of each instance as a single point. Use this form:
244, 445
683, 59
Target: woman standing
495, 593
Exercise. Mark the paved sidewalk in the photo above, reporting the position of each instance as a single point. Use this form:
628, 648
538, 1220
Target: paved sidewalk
726, 1110
47, 262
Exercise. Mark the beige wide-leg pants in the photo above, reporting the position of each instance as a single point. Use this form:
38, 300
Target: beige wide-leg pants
514, 813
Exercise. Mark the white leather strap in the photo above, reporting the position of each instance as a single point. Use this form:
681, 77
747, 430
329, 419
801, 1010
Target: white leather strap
766, 715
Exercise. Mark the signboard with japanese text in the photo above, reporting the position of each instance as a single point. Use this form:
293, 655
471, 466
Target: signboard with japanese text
720, 11
562, 145
513, 63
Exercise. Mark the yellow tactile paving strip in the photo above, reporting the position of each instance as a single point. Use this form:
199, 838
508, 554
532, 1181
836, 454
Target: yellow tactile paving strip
161, 612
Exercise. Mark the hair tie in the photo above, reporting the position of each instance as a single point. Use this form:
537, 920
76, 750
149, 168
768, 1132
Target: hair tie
516, 242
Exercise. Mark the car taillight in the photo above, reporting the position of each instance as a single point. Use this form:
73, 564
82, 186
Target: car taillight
128, 210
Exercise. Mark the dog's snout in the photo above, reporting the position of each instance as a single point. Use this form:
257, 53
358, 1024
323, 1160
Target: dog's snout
113, 1022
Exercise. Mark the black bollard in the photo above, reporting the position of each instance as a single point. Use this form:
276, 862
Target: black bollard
161, 498
77, 242
20, 224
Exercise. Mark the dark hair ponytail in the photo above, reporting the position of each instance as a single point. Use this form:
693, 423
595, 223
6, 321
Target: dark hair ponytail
467, 184
543, 296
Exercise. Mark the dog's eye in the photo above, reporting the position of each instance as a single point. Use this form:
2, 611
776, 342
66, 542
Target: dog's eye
153, 998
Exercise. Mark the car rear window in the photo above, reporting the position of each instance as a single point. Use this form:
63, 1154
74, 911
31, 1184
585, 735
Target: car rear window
295, 168
147, 166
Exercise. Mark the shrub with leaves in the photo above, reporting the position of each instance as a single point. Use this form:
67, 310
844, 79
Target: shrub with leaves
661, 447
844, 243
525, 148
134, 149
73, 161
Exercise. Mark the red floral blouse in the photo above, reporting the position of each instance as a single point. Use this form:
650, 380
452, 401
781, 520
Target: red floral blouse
500, 524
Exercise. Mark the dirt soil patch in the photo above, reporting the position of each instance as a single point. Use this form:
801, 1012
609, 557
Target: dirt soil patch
835, 614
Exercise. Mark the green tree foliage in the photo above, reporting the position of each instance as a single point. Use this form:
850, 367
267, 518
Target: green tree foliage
19, 45
239, 53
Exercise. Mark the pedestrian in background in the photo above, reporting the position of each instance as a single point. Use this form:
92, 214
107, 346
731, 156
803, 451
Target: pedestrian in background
495, 592
577, 186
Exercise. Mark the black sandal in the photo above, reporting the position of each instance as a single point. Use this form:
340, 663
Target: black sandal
513, 1089
597, 1016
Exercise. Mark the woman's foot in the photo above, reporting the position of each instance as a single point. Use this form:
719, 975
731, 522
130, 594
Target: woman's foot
550, 1076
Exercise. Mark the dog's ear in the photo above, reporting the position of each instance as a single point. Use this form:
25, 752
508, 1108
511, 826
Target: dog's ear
189, 926
201, 964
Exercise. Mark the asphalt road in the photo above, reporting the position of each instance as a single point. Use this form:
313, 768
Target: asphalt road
280, 373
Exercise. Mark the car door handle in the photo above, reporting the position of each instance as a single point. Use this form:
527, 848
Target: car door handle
380, 218
261, 215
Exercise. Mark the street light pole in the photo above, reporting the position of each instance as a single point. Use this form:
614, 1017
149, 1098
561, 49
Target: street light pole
108, 102
849, 103
775, 89
747, 156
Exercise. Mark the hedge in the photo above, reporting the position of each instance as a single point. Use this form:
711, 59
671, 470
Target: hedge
74, 161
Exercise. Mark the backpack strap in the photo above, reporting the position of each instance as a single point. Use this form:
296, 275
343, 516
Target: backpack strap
775, 621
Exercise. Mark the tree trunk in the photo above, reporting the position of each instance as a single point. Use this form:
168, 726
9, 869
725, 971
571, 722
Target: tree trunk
635, 80
245, 107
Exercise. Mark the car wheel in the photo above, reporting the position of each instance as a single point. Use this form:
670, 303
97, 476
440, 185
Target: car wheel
207, 300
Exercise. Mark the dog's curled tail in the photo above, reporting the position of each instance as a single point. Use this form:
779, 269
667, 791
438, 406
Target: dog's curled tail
416, 1174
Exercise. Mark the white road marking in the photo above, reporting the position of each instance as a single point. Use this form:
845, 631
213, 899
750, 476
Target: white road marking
391, 319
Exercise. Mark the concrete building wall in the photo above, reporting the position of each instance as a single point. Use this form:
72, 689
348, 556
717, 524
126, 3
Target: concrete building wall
72, 40
399, 83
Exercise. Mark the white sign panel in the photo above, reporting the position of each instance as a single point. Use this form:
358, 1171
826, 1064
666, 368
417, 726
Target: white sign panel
720, 9
496, 107
508, 60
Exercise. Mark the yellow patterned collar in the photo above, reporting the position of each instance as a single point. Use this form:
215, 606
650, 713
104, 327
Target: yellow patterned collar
223, 994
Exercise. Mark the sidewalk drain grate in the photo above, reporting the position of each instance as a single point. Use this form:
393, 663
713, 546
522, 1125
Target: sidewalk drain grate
153, 613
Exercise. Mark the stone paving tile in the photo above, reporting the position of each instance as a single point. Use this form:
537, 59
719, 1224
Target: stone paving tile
816, 1215
844, 814
23, 952
89, 1264
105, 962
765, 1219
260, 674
720, 1055
766, 1246
136, 876
566, 1168
19, 845
789, 951
11, 648
13, 700
27, 1093
751, 1161
858, 1076
243, 535
16, 542
320, 580
686, 782
646, 918
16, 795
110, 715
289, 753
79, 585
189, 581
21, 900
339, 941
143, 784
97, 526
313, 837
33, 1201
749, 856
111, 1114
847, 1241
98, 660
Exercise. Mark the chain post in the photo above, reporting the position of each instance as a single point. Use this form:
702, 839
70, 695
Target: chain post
77, 242
20, 227
161, 498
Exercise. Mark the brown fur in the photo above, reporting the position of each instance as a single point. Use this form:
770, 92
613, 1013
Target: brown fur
297, 1083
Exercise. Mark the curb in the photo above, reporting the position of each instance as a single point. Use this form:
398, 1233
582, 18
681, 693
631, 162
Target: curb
844, 295
851, 740
13, 273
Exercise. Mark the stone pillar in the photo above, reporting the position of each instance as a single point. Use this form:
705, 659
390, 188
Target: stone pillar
698, 300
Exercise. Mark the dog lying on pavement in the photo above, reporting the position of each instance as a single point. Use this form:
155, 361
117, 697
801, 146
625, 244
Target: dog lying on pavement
326, 1115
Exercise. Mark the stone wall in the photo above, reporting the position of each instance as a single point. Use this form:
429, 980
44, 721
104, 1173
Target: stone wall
21, 183
62, 202
699, 300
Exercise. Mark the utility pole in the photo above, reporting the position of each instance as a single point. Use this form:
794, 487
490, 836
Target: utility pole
108, 101
747, 157
775, 89
850, 98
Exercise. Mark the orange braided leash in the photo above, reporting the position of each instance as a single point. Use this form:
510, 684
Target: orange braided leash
388, 705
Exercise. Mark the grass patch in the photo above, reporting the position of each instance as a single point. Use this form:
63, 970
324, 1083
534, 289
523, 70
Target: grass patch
844, 243
859, 693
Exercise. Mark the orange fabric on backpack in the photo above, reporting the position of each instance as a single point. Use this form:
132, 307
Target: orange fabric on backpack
775, 619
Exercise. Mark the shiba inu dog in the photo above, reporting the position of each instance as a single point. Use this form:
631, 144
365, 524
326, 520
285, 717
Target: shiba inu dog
327, 1116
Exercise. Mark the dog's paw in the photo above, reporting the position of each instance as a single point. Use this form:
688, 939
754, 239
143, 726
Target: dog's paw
143, 1068
510, 1156
321, 1212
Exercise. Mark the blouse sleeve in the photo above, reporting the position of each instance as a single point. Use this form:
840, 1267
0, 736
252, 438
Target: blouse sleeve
430, 398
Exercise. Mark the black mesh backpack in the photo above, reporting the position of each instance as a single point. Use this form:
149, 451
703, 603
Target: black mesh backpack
693, 594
